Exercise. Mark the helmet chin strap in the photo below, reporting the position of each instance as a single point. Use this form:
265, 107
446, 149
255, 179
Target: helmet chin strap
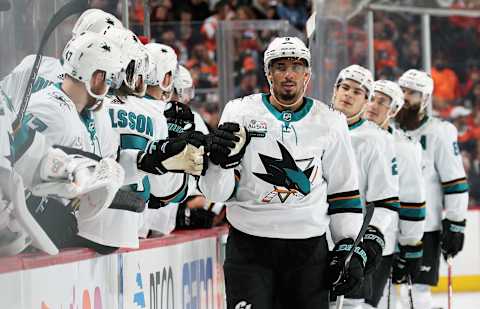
300, 98
98, 97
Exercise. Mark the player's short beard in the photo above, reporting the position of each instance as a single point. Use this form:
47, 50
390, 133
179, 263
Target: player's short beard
409, 118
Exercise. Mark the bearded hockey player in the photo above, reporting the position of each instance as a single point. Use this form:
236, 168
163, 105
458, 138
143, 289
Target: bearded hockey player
50, 71
445, 181
378, 175
386, 102
298, 176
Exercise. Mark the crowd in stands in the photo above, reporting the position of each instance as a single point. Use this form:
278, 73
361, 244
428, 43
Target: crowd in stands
190, 25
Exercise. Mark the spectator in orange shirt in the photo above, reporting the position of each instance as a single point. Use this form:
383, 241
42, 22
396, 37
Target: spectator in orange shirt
446, 83
386, 55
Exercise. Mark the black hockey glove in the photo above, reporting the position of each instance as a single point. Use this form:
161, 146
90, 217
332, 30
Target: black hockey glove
179, 118
193, 218
227, 144
374, 243
178, 155
407, 263
343, 280
452, 237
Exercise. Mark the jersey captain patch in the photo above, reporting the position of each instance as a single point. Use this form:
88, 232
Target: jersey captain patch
285, 176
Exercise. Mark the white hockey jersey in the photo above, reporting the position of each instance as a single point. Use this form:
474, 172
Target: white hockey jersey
6, 118
139, 121
14, 84
378, 177
55, 116
297, 176
411, 189
444, 175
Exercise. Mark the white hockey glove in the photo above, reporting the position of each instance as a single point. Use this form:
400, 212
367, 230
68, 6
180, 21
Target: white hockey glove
74, 175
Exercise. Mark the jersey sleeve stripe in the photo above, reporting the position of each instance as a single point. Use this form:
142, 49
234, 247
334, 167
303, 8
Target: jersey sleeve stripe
452, 182
412, 213
352, 205
391, 203
348, 194
459, 186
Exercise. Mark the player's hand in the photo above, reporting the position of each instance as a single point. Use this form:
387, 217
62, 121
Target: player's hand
179, 118
407, 263
177, 155
374, 243
343, 280
452, 237
227, 144
193, 218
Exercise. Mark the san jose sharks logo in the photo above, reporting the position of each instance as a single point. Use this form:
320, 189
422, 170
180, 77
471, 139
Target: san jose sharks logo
285, 176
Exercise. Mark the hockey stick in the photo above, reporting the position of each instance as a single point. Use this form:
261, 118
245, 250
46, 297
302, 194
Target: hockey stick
366, 221
450, 287
389, 290
71, 8
410, 294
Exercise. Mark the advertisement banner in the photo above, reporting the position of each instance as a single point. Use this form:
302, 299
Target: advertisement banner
184, 275
87, 284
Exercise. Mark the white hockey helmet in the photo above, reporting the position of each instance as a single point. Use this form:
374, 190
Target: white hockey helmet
95, 20
392, 90
163, 61
285, 47
90, 52
418, 81
358, 74
183, 84
136, 56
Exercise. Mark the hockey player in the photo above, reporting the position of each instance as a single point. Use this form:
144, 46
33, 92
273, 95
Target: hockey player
377, 164
445, 181
50, 70
92, 63
298, 176
139, 121
47, 170
386, 102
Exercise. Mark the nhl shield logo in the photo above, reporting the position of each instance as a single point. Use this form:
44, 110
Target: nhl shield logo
287, 116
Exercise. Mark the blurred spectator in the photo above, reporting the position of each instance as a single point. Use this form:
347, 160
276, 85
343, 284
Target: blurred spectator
411, 55
386, 55
223, 11
473, 97
202, 67
244, 13
472, 77
248, 84
294, 11
474, 176
446, 83
265, 9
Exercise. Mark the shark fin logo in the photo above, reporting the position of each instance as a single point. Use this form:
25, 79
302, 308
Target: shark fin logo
284, 174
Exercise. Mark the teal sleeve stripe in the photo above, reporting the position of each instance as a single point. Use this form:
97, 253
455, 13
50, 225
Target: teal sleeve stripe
22, 139
345, 205
132, 141
145, 194
392, 205
182, 195
412, 214
461, 187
